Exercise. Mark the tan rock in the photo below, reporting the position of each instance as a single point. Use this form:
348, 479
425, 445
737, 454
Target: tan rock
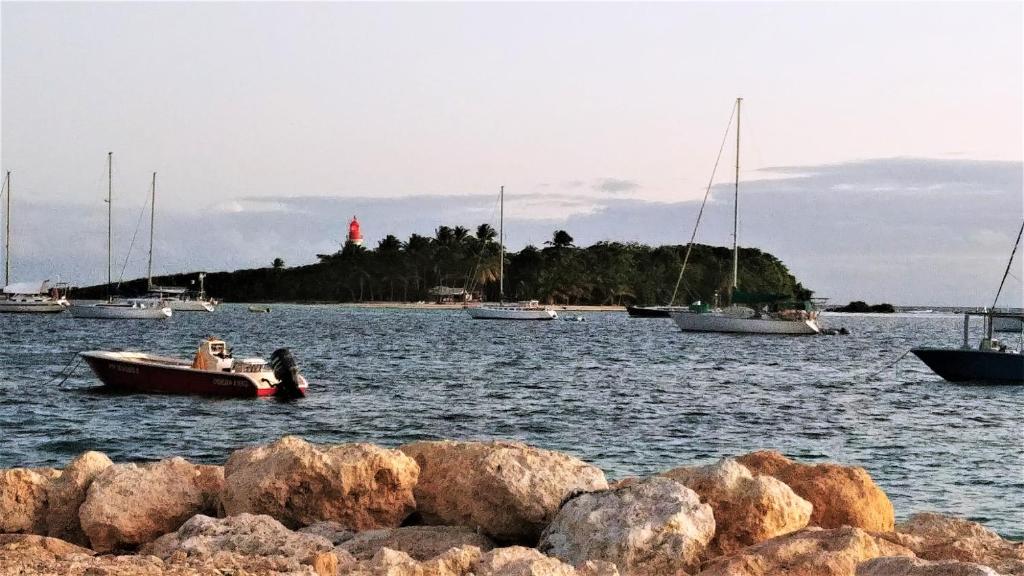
748, 509
66, 494
509, 490
653, 527
245, 534
39, 544
937, 537
810, 552
904, 566
360, 486
520, 561
23, 501
841, 495
128, 504
333, 531
419, 542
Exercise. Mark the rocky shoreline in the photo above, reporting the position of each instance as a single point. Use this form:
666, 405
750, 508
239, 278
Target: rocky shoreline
445, 508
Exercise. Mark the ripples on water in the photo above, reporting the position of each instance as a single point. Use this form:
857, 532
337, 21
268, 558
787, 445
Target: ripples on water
633, 396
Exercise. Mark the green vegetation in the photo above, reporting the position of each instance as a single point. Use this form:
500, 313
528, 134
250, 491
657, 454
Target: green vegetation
559, 273
858, 306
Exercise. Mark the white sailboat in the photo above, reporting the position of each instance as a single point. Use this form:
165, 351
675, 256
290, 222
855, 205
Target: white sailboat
131, 309
529, 310
764, 317
178, 299
38, 297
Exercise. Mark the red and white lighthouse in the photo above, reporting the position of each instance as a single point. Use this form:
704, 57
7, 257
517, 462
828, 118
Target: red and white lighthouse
354, 235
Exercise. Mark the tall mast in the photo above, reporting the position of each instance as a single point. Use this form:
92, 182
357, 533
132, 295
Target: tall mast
7, 234
110, 218
736, 206
152, 217
501, 244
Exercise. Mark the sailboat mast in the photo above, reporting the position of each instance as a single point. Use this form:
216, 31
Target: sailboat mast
736, 206
110, 218
152, 218
501, 245
7, 234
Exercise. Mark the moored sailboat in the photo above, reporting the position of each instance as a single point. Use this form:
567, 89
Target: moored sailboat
529, 310
749, 313
132, 309
38, 297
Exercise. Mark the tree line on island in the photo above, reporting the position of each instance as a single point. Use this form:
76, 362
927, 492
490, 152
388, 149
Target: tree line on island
605, 273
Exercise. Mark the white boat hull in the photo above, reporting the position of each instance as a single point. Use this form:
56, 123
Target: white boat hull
32, 306
191, 306
510, 313
120, 312
715, 322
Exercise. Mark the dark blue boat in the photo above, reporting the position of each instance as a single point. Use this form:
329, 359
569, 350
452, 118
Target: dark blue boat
991, 362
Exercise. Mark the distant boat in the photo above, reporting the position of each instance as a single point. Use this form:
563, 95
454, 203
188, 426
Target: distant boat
767, 313
530, 310
1007, 324
135, 309
259, 309
26, 297
992, 361
178, 299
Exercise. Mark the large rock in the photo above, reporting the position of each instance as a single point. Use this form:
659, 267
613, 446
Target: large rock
904, 566
23, 501
810, 552
66, 494
841, 495
937, 537
388, 562
655, 526
519, 561
129, 504
748, 509
508, 490
360, 486
245, 534
419, 542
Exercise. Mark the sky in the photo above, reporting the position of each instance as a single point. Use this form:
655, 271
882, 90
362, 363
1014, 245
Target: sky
881, 150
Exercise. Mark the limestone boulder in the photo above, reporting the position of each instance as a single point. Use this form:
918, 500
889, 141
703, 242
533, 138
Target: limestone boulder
652, 527
359, 486
810, 552
419, 542
937, 537
23, 502
66, 494
520, 561
129, 504
841, 495
507, 490
388, 562
333, 531
904, 566
245, 534
748, 509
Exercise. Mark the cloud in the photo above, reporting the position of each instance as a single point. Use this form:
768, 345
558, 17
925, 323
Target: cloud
614, 185
908, 231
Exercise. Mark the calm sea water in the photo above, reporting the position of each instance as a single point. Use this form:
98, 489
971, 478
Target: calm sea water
633, 396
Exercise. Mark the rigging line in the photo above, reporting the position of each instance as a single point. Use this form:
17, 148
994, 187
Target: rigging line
887, 366
1008, 265
138, 224
700, 213
471, 281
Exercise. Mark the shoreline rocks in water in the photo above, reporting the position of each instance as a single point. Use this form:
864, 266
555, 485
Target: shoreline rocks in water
471, 508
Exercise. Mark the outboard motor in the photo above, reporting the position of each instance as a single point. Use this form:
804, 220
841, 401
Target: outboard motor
287, 373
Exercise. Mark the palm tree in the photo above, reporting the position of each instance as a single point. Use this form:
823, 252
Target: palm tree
485, 233
560, 239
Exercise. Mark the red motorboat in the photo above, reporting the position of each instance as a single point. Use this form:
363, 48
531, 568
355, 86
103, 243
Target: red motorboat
213, 372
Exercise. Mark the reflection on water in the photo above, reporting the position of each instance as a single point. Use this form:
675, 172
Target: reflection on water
631, 395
